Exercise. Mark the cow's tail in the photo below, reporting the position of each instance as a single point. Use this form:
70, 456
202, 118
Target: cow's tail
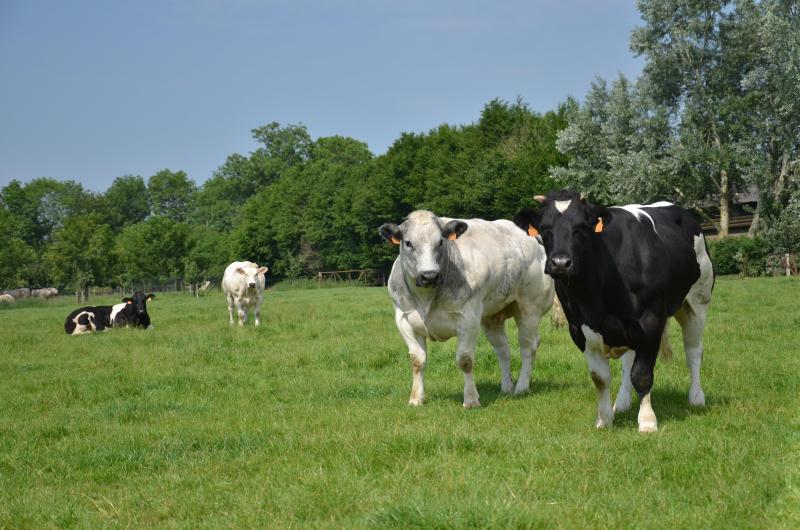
664, 349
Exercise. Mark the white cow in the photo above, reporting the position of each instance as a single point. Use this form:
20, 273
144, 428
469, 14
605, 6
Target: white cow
243, 284
7, 299
453, 277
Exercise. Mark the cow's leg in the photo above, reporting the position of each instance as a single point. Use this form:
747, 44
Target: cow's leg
692, 320
416, 351
528, 332
496, 335
642, 380
240, 310
623, 401
600, 372
230, 307
257, 311
465, 359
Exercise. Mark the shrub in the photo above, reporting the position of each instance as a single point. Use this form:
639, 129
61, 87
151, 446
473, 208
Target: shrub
739, 255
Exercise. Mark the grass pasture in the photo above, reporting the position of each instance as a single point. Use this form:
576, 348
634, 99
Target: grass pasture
303, 423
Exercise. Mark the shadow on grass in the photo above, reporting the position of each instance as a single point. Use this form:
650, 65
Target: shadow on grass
670, 406
490, 392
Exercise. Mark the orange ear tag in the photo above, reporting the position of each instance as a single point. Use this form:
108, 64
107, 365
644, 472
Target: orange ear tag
532, 231
599, 226
395, 241
452, 237
129, 302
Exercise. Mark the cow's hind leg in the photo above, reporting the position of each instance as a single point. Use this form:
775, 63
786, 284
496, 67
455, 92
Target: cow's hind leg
257, 312
496, 335
692, 319
418, 355
465, 359
600, 372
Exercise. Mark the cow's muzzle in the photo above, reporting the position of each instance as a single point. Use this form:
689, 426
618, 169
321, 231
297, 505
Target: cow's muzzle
428, 279
251, 284
559, 265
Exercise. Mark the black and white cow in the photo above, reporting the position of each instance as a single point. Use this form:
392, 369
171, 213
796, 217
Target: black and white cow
620, 273
131, 312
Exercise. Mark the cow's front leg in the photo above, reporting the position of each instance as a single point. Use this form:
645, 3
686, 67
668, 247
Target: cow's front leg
496, 335
600, 372
528, 331
623, 401
241, 312
416, 351
230, 308
465, 359
257, 312
642, 380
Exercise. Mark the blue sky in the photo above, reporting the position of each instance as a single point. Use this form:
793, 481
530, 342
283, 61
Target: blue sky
94, 90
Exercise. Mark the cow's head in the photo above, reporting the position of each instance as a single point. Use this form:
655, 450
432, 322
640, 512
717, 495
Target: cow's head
566, 223
139, 301
422, 238
250, 274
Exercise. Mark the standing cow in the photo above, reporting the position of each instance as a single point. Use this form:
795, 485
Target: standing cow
620, 273
453, 277
244, 284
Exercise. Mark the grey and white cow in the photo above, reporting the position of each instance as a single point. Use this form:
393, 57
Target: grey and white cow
243, 284
454, 277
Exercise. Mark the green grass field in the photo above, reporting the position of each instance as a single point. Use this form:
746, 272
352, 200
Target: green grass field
303, 422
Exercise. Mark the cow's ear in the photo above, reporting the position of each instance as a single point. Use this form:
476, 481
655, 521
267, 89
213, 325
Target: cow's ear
454, 229
528, 219
150, 297
391, 233
263, 270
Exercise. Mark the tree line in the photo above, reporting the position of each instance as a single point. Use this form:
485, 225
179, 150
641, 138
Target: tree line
716, 111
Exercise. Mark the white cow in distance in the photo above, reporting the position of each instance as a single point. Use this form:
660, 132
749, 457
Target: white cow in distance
454, 277
243, 284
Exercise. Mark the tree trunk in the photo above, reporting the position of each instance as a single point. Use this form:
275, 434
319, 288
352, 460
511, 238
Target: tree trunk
724, 203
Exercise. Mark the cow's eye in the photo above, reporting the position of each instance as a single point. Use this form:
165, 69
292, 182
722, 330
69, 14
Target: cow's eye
441, 242
408, 244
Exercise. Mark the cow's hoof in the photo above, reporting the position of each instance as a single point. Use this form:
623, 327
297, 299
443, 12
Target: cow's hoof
507, 387
415, 402
472, 404
622, 404
603, 423
522, 389
648, 427
697, 398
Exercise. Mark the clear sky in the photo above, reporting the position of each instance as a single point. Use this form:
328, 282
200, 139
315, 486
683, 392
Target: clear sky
92, 90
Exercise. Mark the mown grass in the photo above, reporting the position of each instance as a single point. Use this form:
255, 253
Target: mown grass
303, 423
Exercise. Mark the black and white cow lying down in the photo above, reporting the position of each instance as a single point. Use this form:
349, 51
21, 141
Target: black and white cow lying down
132, 312
454, 277
621, 272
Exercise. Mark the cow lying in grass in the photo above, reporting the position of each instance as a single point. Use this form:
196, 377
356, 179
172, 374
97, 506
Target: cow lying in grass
132, 312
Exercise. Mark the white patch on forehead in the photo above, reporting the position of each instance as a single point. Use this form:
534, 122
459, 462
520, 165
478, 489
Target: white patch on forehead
562, 205
638, 213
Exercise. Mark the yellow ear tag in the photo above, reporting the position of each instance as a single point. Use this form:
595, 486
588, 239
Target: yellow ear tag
532, 231
452, 237
395, 241
599, 226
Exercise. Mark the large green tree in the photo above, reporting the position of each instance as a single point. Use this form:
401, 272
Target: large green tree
171, 194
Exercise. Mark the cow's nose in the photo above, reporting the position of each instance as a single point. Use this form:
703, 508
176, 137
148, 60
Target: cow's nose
561, 262
252, 284
428, 278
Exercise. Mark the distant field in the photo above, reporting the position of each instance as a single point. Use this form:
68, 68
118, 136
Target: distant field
303, 423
